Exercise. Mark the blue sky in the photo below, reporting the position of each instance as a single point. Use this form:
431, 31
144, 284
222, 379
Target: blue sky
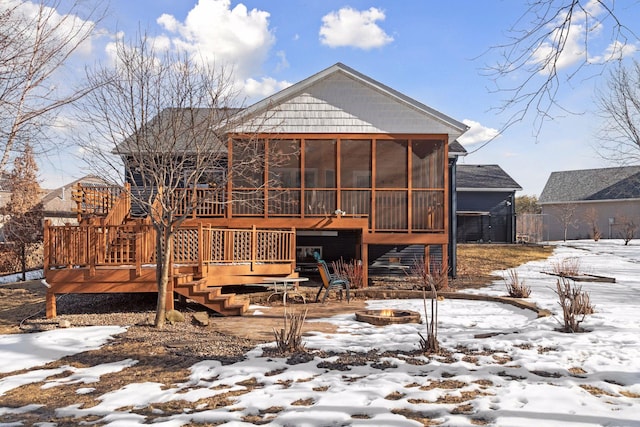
434, 52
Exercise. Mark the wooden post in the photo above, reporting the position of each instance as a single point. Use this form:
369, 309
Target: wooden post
292, 250
364, 256
92, 242
77, 195
46, 262
138, 236
254, 246
51, 304
200, 249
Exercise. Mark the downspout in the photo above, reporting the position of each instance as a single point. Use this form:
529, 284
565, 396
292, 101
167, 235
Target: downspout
453, 223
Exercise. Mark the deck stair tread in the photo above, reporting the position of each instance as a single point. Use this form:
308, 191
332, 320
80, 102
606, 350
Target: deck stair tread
209, 296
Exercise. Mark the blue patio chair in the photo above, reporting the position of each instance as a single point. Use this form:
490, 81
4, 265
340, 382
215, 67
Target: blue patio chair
330, 281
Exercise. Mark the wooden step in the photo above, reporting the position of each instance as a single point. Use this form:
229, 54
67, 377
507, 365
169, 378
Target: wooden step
210, 297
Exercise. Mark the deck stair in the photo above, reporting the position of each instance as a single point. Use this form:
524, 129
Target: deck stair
195, 289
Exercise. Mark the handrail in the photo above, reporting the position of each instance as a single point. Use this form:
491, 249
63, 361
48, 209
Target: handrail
95, 199
120, 208
91, 245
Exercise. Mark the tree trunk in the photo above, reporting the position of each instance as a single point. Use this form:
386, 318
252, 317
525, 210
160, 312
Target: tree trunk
23, 259
163, 254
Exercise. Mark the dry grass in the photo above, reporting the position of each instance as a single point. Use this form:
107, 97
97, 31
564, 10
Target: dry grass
476, 262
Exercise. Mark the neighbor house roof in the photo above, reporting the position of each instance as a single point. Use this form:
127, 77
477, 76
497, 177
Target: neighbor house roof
592, 185
484, 178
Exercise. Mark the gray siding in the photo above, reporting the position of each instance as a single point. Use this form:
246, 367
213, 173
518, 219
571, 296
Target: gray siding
341, 104
580, 228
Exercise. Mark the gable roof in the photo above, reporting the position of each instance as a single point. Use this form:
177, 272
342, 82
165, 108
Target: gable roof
347, 101
592, 185
484, 178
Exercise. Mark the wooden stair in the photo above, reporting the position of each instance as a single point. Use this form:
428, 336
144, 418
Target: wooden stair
211, 297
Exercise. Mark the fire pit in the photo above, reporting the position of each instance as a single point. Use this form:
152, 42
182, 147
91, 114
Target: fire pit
388, 317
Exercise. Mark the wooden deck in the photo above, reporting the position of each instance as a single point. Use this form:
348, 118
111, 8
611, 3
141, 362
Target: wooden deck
96, 258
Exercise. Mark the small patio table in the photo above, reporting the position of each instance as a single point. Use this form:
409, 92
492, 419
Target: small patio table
284, 286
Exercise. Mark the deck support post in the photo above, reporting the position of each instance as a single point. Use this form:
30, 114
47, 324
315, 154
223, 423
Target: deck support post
364, 257
169, 304
51, 305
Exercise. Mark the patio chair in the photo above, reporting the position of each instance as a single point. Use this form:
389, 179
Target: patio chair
330, 281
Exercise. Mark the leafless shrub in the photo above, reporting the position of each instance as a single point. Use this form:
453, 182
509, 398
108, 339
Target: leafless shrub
567, 266
433, 278
575, 304
289, 338
591, 217
429, 275
628, 228
351, 271
516, 287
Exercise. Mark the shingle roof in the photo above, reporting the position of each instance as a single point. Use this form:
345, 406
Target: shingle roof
592, 184
177, 128
456, 149
481, 177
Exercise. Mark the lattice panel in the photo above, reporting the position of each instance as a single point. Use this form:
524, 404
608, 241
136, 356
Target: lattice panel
217, 239
242, 246
185, 246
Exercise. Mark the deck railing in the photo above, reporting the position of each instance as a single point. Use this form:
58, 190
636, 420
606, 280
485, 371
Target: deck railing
91, 246
199, 202
95, 199
396, 210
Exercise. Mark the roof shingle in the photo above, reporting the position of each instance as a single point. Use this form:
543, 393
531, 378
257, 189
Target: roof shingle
592, 184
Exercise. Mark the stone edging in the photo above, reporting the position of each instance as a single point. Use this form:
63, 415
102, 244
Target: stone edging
407, 294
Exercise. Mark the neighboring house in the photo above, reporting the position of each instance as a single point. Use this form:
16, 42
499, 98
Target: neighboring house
581, 201
59, 205
485, 204
372, 174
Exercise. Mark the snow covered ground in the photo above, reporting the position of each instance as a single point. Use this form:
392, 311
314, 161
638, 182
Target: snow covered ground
528, 375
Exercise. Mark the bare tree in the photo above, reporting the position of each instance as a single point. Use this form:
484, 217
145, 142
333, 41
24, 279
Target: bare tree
619, 105
23, 229
36, 41
591, 218
162, 121
567, 216
627, 228
548, 47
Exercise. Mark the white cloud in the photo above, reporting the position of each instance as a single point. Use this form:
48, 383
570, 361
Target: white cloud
283, 64
618, 50
76, 31
477, 133
350, 27
584, 30
217, 33
263, 88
